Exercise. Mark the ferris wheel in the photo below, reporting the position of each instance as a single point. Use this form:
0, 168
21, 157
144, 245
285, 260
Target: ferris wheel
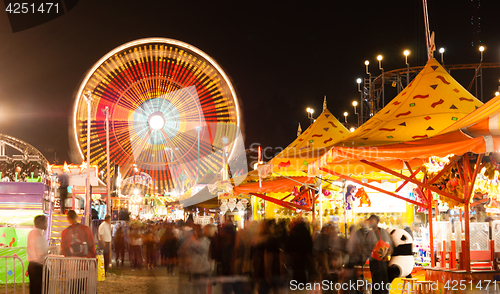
173, 115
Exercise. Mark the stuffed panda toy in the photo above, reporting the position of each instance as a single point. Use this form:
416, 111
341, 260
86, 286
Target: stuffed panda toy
402, 260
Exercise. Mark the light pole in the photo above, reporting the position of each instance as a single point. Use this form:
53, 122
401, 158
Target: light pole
108, 180
379, 58
360, 101
406, 53
345, 117
441, 51
481, 49
310, 112
370, 102
88, 197
198, 130
354, 104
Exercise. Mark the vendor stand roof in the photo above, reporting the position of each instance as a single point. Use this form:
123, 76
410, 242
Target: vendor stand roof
430, 103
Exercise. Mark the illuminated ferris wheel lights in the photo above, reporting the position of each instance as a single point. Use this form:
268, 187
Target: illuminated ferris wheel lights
156, 122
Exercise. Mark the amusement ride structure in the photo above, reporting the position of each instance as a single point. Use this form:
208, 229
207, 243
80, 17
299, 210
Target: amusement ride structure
173, 115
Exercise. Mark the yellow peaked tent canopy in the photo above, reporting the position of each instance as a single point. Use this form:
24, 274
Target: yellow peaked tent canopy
430, 103
316, 140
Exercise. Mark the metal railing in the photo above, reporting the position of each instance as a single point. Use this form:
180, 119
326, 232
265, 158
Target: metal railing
13, 273
54, 246
68, 275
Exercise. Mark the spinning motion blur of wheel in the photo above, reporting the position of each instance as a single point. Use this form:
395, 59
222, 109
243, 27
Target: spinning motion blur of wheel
172, 112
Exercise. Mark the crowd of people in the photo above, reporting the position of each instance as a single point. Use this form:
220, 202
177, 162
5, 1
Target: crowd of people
266, 256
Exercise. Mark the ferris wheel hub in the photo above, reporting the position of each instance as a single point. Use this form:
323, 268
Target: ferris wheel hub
156, 122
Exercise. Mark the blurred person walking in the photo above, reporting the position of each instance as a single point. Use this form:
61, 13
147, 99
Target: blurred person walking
105, 240
169, 250
120, 245
266, 260
150, 244
135, 250
77, 240
300, 249
380, 246
197, 265
36, 250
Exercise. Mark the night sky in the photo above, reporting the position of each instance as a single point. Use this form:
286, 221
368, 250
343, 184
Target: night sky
283, 56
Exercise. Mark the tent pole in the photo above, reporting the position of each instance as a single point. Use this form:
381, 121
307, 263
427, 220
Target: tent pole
468, 194
311, 194
344, 189
320, 196
466, 248
431, 232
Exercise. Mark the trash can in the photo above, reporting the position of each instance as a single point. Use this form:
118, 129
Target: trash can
101, 274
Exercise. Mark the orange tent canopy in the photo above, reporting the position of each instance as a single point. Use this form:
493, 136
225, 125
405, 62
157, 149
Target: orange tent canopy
483, 121
276, 185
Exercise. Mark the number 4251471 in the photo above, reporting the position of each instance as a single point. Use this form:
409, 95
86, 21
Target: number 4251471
463, 285
32, 8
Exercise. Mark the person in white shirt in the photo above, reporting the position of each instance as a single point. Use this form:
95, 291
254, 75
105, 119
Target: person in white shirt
105, 240
37, 251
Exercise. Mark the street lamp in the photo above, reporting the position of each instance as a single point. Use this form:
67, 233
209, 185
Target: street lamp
497, 93
345, 116
355, 103
360, 118
352, 129
310, 112
481, 49
479, 72
441, 50
379, 58
406, 53
366, 64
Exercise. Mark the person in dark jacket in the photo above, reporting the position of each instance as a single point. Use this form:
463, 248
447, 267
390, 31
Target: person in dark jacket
300, 249
119, 245
378, 268
169, 250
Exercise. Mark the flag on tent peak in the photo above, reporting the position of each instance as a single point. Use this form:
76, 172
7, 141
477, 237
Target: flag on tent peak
430, 103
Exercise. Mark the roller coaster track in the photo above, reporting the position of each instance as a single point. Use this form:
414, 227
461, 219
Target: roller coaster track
23, 147
417, 69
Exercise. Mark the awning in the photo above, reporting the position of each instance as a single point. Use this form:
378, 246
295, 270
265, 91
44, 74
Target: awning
348, 160
276, 185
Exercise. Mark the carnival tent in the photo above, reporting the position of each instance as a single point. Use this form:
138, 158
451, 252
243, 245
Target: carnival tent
484, 121
319, 137
430, 103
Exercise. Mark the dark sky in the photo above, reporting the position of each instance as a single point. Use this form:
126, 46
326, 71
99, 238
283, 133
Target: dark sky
283, 56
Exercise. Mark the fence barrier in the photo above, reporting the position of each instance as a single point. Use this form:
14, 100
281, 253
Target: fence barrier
13, 273
69, 275
54, 246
